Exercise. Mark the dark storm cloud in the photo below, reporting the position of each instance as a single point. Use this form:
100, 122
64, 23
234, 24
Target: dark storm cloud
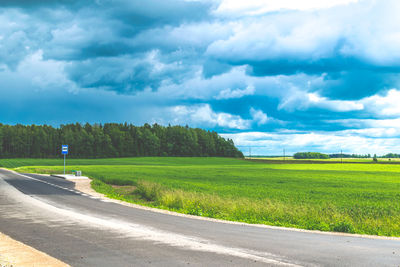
153, 13
114, 74
347, 79
36, 4
300, 120
124, 74
113, 32
213, 67
357, 84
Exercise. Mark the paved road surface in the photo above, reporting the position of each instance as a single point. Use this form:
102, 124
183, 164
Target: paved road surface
47, 214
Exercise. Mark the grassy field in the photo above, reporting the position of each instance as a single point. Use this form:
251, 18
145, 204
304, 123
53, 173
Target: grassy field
366, 160
354, 198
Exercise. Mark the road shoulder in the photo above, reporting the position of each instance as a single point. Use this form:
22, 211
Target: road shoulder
15, 253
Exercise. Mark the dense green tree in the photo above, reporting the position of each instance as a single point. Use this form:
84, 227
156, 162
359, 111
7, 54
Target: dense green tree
112, 140
349, 156
390, 155
310, 155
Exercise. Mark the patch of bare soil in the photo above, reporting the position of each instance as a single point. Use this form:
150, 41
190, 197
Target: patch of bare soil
84, 186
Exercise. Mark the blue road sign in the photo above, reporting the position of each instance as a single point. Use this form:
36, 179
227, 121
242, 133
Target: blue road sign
64, 149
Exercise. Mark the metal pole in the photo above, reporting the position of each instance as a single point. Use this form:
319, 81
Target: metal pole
341, 156
64, 164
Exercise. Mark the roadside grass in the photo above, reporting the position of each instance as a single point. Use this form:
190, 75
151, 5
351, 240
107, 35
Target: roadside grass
353, 198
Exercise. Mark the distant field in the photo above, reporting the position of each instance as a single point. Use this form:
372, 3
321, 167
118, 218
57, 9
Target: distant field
331, 159
355, 198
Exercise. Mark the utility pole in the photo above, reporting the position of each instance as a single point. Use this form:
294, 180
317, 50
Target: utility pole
284, 156
249, 151
341, 156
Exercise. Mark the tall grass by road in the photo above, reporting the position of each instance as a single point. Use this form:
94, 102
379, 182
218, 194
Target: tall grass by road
354, 198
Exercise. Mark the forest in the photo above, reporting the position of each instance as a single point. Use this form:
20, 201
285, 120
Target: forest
112, 140
391, 155
354, 156
310, 155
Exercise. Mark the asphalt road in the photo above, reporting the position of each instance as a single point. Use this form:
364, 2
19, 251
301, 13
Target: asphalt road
47, 214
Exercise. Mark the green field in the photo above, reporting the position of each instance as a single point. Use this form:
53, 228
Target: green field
363, 160
355, 198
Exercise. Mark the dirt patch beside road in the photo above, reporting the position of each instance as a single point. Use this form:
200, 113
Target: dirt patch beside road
84, 186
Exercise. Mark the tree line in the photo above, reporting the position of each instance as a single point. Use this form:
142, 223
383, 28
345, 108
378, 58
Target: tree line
354, 156
112, 140
310, 155
317, 155
391, 155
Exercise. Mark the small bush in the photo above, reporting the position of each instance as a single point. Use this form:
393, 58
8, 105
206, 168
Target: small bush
149, 191
173, 200
344, 227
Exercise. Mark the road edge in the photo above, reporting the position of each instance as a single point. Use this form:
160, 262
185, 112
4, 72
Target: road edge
16, 253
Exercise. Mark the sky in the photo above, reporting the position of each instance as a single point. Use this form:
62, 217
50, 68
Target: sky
310, 75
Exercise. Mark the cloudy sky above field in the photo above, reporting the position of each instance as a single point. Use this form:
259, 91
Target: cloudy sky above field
311, 75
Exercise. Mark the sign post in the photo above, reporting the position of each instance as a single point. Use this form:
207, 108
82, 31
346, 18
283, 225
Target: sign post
64, 151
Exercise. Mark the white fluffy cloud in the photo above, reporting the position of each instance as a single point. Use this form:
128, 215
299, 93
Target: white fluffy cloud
386, 105
365, 30
43, 74
327, 142
335, 105
270, 37
371, 127
236, 93
258, 116
203, 115
379, 132
301, 100
255, 7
